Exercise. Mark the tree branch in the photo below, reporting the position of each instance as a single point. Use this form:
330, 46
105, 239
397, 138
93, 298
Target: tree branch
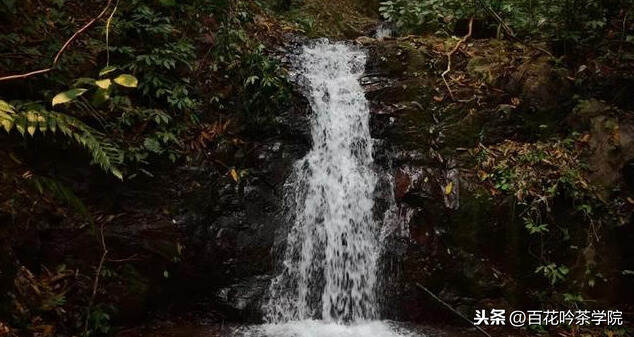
62, 50
451, 308
449, 54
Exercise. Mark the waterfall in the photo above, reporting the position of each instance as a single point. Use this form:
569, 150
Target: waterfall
327, 282
332, 249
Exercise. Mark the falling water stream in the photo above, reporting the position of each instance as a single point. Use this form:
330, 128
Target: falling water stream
327, 285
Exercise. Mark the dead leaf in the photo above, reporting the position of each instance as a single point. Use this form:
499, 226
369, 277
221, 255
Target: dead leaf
515, 101
482, 175
585, 138
449, 188
234, 175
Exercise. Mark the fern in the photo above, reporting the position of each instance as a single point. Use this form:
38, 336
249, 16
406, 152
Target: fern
61, 192
36, 118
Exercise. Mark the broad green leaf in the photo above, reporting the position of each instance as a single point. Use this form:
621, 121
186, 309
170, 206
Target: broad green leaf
103, 84
107, 70
67, 96
126, 80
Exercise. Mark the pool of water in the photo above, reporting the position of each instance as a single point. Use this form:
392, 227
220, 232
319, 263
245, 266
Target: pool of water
306, 328
313, 328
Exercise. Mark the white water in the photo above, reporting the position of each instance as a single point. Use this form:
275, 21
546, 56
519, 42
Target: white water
332, 250
313, 328
327, 285
383, 31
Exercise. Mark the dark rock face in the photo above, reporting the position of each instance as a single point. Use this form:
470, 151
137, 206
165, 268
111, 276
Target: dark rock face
467, 244
234, 226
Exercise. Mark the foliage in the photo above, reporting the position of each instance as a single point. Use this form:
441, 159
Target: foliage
541, 176
60, 191
259, 83
569, 23
30, 118
39, 298
164, 73
426, 15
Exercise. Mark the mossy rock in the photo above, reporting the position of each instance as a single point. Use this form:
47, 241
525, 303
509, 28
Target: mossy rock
541, 85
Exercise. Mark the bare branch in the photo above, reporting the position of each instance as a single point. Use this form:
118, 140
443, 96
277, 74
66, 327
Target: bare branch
451, 308
449, 54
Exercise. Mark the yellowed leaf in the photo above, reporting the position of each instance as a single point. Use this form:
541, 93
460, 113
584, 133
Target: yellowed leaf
449, 188
234, 175
67, 96
126, 80
6, 107
103, 84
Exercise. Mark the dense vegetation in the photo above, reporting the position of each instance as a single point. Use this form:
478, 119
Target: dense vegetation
150, 85
155, 86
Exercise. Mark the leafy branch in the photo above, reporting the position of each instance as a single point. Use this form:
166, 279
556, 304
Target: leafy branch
61, 51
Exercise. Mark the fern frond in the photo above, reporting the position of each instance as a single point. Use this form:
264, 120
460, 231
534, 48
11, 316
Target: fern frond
104, 153
61, 192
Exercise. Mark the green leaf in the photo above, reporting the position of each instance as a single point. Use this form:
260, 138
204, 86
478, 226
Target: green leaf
103, 84
107, 70
84, 81
152, 145
6, 107
67, 96
116, 173
100, 96
126, 80
32, 118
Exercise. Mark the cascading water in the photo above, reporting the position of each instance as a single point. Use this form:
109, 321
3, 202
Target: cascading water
327, 285
332, 250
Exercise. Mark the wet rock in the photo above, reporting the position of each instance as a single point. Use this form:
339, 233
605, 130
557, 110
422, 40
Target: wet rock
231, 224
245, 297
